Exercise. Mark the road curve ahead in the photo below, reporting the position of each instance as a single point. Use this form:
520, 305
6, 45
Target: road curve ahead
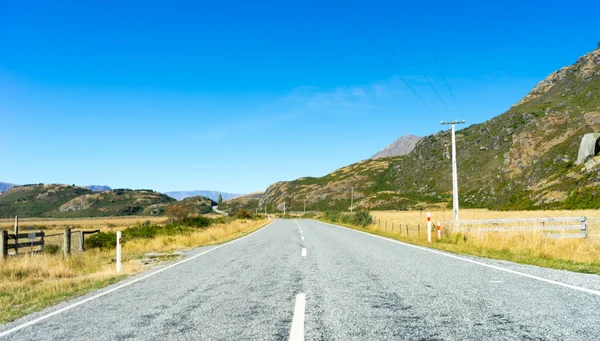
306, 280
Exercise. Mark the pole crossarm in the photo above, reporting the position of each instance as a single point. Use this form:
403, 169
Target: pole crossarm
454, 122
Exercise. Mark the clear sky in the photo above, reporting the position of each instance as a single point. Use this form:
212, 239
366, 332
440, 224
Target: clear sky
236, 95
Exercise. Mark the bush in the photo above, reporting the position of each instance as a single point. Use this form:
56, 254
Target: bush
51, 249
332, 216
101, 240
362, 218
243, 214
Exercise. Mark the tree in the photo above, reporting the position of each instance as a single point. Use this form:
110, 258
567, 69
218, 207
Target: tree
220, 200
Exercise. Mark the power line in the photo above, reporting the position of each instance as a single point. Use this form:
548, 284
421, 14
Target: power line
410, 54
384, 56
434, 55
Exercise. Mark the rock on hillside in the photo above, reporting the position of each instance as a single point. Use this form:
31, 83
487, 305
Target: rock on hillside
402, 146
37, 200
523, 158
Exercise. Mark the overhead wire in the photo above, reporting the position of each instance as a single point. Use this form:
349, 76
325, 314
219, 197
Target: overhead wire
411, 55
384, 56
435, 56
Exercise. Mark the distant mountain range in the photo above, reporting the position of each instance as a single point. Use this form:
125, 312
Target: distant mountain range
5, 186
214, 195
402, 146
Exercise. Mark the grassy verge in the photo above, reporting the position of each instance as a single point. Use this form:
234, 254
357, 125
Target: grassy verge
578, 255
32, 283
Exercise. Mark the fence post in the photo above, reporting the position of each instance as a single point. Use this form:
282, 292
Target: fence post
80, 241
118, 251
67, 242
439, 227
585, 225
3, 244
42, 234
419, 230
16, 235
392, 227
429, 227
407, 230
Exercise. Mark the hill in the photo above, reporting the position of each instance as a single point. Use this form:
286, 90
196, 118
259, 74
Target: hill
524, 158
117, 202
213, 195
248, 202
61, 201
402, 146
37, 200
199, 204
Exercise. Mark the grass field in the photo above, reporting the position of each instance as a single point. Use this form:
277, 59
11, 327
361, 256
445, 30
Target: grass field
582, 255
54, 225
31, 283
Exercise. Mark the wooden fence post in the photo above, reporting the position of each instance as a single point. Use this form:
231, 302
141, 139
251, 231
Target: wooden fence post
16, 235
67, 242
419, 230
3, 244
80, 241
42, 234
407, 230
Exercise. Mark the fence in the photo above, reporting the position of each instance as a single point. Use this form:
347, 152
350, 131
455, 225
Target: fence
551, 227
407, 230
37, 240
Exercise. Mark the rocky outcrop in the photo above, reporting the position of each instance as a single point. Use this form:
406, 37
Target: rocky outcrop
588, 148
402, 146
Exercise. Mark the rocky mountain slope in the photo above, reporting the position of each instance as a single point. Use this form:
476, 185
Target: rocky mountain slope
402, 146
523, 158
248, 202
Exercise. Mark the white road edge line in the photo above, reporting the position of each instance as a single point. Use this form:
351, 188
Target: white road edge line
69, 307
541, 279
297, 330
303, 252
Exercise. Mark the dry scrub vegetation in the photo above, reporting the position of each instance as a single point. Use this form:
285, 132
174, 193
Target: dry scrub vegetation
581, 255
31, 283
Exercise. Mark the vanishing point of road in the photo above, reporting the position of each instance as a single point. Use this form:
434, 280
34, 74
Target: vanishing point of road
306, 280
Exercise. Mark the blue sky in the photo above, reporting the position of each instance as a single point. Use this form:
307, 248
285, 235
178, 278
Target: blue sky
236, 95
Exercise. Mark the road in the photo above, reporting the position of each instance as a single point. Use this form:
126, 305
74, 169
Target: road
216, 209
295, 280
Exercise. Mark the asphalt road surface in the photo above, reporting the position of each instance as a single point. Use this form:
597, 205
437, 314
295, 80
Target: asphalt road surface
296, 280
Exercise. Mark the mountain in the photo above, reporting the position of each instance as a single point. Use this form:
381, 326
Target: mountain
525, 158
98, 188
213, 195
402, 146
5, 186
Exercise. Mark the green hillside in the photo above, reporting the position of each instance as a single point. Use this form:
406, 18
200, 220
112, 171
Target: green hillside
523, 159
199, 204
37, 200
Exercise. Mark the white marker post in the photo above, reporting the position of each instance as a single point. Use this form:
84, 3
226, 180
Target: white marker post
439, 229
429, 227
118, 251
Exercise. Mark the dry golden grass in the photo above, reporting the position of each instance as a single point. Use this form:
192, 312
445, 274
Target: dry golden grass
529, 247
31, 283
56, 225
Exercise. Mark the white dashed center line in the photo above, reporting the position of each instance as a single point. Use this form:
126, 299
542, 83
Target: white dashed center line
303, 252
297, 331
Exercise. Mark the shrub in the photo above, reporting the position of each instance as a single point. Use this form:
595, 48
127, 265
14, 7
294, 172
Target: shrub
243, 214
362, 218
101, 240
51, 249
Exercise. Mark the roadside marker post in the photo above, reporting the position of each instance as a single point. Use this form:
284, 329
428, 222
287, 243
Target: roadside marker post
439, 229
118, 251
429, 227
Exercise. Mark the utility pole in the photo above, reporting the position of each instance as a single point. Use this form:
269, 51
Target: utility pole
351, 199
454, 170
304, 206
284, 208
